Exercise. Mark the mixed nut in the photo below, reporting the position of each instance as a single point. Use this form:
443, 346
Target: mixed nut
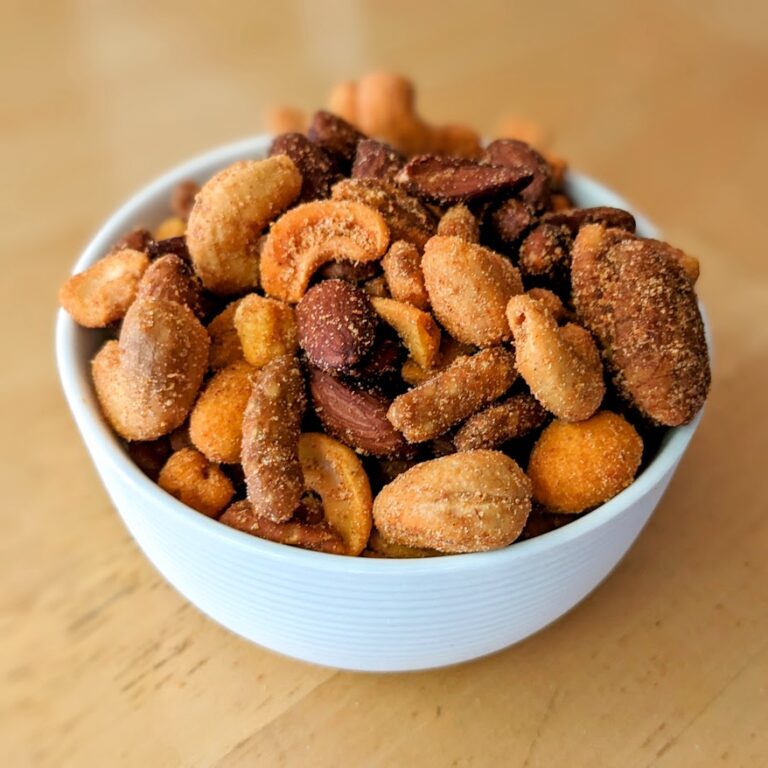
355, 343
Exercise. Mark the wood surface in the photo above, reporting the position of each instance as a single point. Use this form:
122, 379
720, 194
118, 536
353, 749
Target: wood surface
666, 664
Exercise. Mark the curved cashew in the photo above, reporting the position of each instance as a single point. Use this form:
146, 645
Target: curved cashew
561, 365
309, 235
417, 329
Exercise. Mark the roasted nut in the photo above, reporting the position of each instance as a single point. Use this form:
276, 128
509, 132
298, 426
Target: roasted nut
137, 240
174, 245
354, 416
147, 382
266, 329
225, 342
382, 361
450, 349
180, 438
383, 548
170, 227
574, 467
334, 472
469, 287
376, 160
336, 325
320, 537
351, 271
318, 173
449, 180
689, 264
545, 252
467, 502
229, 214
194, 481
515, 417
402, 271
171, 279
642, 308
416, 328
517, 155
453, 395
216, 421
312, 234
510, 220
101, 294
575, 218
561, 365
183, 198
271, 427
459, 221
336, 136
377, 286
405, 216
284, 119
551, 302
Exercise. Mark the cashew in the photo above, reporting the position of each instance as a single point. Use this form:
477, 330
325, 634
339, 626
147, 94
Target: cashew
402, 271
561, 365
417, 329
309, 235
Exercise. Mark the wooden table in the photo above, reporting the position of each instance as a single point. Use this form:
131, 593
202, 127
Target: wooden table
666, 664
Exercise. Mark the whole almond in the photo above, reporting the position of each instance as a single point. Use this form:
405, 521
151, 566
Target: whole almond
336, 136
512, 153
376, 160
318, 172
336, 324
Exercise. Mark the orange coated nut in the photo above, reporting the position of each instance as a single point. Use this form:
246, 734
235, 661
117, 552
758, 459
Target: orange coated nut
402, 271
266, 329
196, 482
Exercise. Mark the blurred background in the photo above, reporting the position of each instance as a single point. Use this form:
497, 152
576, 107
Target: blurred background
101, 661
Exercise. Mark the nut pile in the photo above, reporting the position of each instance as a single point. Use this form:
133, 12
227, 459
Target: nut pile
388, 339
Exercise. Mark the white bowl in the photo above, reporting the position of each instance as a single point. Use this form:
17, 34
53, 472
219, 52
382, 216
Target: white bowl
351, 613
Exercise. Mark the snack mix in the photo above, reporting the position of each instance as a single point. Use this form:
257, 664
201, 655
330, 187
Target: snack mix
389, 339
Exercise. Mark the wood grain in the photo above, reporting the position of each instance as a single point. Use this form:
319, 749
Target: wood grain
666, 664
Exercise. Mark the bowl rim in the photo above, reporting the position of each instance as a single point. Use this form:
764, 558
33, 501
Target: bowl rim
76, 382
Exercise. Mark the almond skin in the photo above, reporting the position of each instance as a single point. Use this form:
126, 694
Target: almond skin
337, 325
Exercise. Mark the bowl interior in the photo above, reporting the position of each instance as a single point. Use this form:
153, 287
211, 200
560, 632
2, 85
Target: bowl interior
76, 346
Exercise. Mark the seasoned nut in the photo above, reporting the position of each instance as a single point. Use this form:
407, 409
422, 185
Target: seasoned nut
101, 294
561, 365
551, 302
376, 160
225, 342
453, 395
377, 286
689, 264
216, 421
459, 221
312, 234
194, 481
147, 382
137, 240
336, 325
514, 154
320, 537
416, 328
450, 349
382, 361
354, 416
467, 502
318, 173
402, 271
229, 214
448, 180
266, 329
469, 287
336, 136
174, 245
575, 218
183, 198
515, 417
405, 216
351, 271
170, 278
271, 427
384, 548
510, 220
574, 467
334, 472
642, 309
545, 252
285, 119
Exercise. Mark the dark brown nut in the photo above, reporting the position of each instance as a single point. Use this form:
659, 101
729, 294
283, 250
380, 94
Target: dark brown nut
515, 417
150, 455
689, 264
641, 306
561, 202
449, 180
459, 221
175, 245
180, 438
453, 395
405, 216
147, 382
574, 218
320, 536
336, 136
336, 324
170, 278
510, 220
351, 271
136, 240
225, 340
383, 360
402, 271
355, 417
183, 198
270, 450
377, 286
540, 522
545, 252
196, 482
318, 172
518, 155
376, 160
